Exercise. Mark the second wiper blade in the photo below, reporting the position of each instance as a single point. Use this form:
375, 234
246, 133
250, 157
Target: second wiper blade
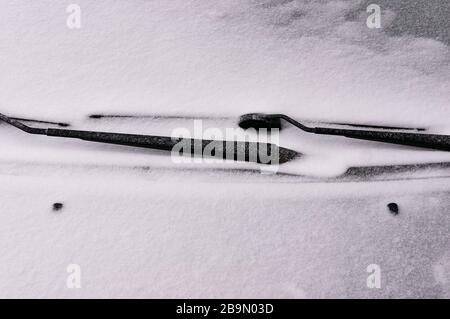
422, 140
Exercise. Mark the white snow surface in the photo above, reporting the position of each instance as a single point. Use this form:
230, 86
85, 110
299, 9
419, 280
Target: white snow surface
303, 58
218, 57
141, 226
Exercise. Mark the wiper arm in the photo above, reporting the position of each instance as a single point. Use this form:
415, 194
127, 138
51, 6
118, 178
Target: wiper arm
423, 140
231, 150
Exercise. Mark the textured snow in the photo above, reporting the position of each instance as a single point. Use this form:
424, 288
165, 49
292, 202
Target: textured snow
306, 58
145, 236
140, 228
311, 60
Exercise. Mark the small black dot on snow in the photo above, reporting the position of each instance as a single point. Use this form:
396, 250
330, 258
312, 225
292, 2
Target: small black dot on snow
57, 207
393, 208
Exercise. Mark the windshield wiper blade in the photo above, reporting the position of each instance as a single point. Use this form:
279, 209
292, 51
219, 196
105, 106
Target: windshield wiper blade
422, 140
21, 119
381, 127
256, 152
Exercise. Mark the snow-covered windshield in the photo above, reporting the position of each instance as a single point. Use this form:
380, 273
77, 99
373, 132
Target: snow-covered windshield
313, 60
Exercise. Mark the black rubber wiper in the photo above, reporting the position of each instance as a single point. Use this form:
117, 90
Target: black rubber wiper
262, 153
423, 140
21, 119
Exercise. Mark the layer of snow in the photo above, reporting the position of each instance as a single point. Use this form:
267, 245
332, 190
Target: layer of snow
306, 58
137, 234
163, 232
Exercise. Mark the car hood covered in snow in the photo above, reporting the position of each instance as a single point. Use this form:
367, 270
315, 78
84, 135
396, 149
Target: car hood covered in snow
139, 225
